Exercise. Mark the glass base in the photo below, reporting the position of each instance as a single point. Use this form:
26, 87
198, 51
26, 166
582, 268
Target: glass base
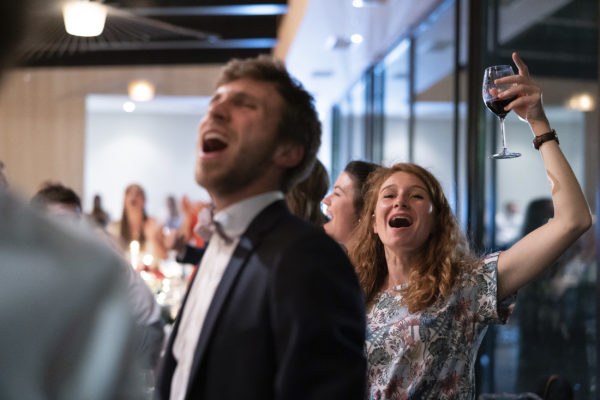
505, 154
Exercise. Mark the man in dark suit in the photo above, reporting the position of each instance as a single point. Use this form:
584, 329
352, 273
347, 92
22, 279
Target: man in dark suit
275, 310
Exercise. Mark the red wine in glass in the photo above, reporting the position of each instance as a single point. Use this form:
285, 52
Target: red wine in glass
497, 106
490, 91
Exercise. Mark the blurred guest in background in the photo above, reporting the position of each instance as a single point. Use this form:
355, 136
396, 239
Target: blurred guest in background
60, 201
304, 199
3, 180
345, 202
98, 214
174, 219
136, 225
554, 314
508, 225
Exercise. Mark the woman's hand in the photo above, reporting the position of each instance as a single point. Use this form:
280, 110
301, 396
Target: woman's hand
528, 105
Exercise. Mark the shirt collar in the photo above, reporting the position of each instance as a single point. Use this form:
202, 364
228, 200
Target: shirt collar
235, 219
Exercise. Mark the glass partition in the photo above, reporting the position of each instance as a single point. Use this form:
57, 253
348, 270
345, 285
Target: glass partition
427, 109
553, 328
434, 132
397, 104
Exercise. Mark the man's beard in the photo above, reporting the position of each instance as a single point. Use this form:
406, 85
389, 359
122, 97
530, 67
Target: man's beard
248, 167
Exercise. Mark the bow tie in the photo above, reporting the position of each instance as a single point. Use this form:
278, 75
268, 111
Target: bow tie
207, 226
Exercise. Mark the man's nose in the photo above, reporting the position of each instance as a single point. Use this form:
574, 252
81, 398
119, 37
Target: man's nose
218, 110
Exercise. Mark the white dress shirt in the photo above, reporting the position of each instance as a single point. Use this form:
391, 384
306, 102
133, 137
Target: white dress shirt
234, 221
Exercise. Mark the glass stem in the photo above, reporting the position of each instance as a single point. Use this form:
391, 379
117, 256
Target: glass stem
503, 133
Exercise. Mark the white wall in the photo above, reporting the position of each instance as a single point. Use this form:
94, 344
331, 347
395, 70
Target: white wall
155, 148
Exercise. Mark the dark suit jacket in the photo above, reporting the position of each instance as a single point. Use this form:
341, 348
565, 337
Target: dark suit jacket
286, 322
192, 255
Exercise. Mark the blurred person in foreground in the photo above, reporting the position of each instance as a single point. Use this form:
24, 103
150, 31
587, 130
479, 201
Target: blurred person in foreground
66, 322
430, 299
275, 310
60, 201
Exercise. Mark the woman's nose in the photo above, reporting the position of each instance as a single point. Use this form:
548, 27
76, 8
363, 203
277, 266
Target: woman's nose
400, 202
327, 200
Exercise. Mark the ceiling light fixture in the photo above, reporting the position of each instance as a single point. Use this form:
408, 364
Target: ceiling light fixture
343, 42
84, 18
141, 90
356, 38
129, 106
367, 3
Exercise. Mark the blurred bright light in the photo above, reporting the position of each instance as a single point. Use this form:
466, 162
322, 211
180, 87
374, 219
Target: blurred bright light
356, 38
581, 102
366, 3
141, 90
128, 106
84, 18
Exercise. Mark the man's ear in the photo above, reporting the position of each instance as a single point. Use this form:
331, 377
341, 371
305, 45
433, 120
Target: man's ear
288, 155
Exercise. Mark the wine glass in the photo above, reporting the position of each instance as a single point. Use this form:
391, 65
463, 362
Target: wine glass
490, 92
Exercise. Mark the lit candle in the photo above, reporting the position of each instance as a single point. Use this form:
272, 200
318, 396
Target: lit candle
147, 260
134, 253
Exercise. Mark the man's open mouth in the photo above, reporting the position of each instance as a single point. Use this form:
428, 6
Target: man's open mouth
213, 142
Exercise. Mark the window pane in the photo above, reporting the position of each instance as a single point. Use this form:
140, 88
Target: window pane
396, 105
434, 105
553, 328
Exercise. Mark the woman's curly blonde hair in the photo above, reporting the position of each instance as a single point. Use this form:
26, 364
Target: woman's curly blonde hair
435, 268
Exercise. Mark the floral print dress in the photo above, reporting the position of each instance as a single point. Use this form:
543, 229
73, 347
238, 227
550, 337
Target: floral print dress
431, 354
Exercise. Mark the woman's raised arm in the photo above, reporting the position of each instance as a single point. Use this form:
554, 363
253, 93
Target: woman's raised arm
527, 258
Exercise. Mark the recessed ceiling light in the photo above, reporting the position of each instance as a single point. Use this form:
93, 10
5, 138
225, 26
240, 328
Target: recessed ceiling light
356, 38
84, 18
342, 42
324, 73
141, 91
129, 106
367, 3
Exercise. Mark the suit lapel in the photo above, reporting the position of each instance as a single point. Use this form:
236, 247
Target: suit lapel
248, 242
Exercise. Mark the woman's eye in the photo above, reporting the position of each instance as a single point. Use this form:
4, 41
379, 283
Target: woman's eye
418, 196
388, 196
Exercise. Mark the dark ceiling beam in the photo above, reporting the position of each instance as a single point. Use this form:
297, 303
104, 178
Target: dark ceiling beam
255, 43
233, 10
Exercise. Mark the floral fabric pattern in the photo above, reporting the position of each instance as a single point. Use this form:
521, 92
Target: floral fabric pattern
431, 354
